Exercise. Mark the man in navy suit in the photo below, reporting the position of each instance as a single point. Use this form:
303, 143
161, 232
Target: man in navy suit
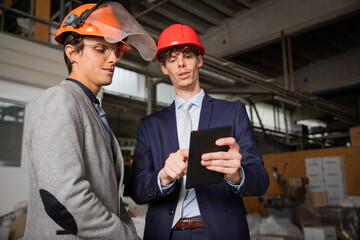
208, 212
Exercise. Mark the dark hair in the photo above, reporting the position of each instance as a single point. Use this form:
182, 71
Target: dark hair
185, 49
75, 40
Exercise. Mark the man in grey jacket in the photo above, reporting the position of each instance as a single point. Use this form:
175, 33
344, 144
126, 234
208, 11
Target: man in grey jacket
75, 163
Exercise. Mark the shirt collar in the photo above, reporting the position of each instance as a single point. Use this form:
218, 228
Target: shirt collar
195, 100
88, 92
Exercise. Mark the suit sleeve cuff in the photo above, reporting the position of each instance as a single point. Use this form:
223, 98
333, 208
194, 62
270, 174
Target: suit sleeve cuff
241, 184
162, 188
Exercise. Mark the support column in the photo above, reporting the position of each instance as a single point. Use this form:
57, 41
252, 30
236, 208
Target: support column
62, 10
149, 102
285, 120
150, 84
284, 56
291, 67
42, 10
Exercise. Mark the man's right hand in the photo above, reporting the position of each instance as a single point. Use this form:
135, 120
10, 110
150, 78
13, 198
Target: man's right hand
175, 167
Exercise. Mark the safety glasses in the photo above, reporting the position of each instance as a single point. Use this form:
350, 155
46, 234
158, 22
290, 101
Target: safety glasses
106, 50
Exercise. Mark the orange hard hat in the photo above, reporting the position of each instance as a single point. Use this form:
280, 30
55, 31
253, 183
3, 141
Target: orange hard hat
178, 34
73, 22
111, 21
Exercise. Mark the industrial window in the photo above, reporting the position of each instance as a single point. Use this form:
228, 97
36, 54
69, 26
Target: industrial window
165, 93
11, 129
271, 117
127, 83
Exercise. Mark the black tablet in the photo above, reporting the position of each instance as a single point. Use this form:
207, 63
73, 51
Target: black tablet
203, 141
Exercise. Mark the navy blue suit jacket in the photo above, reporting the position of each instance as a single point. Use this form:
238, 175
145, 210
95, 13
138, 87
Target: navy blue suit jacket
221, 206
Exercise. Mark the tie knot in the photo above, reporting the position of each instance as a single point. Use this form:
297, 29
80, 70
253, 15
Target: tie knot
186, 106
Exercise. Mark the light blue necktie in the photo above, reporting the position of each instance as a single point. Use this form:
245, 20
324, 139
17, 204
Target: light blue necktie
184, 129
102, 116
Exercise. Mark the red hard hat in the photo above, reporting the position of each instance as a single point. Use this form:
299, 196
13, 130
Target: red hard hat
178, 34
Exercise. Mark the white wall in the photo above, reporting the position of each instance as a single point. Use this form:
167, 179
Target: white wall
26, 70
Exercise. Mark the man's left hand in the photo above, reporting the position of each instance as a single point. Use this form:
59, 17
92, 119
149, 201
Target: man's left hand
225, 162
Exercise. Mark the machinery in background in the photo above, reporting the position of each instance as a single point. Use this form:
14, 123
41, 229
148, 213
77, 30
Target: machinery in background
294, 194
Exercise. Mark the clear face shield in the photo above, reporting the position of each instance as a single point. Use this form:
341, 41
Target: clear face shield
116, 24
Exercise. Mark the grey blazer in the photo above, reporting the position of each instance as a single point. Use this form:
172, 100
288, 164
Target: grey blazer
75, 174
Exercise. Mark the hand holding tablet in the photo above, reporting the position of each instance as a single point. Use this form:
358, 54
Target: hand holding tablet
203, 141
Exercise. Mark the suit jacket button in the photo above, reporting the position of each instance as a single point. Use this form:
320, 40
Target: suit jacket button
171, 212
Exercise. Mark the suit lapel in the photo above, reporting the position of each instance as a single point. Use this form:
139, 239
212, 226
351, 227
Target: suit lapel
173, 140
117, 157
172, 128
81, 94
206, 111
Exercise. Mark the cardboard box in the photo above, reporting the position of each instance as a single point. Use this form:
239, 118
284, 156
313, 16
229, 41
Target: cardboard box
333, 201
355, 136
336, 188
350, 201
314, 188
333, 163
275, 237
334, 168
319, 233
315, 176
316, 183
317, 199
335, 176
17, 229
313, 165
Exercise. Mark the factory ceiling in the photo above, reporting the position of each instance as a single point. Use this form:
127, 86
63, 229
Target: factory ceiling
255, 71
256, 50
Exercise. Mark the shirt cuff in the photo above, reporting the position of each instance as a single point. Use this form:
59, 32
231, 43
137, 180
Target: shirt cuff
162, 188
238, 186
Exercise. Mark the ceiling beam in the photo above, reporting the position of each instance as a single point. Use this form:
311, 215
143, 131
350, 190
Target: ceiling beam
259, 62
297, 53
244, 3
151, 8
178, 16
265, 22
311, 47
333, 43
196, 11
252, 78
147, 20
220, 7
350, 34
